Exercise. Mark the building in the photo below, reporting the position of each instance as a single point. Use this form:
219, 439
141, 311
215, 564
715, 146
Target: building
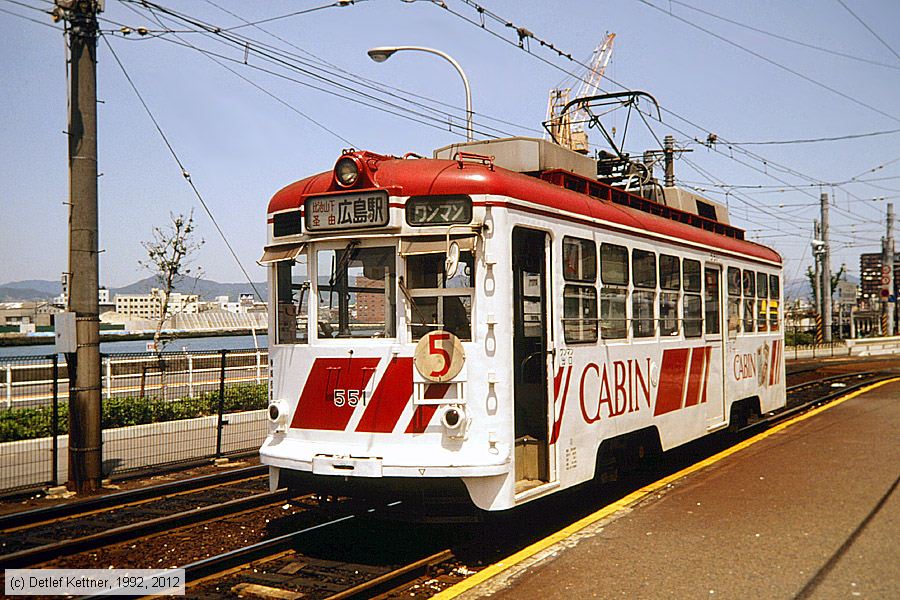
102, 296
149, 306
870, 278
370, 306
21, 315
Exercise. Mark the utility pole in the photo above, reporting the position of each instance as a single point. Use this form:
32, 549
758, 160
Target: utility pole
817, 277
669, 154
887, 273
826, 271
85, 454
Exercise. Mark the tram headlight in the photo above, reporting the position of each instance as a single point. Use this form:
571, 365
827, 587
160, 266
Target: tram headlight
346, 171
278, 413
455, 421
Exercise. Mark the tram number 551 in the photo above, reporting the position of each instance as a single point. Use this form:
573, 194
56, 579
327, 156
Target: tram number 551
349, 397
439, 356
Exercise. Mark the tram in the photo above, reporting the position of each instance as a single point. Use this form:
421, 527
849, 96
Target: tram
498, 321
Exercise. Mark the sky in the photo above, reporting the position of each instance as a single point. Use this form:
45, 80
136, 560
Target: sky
245, 131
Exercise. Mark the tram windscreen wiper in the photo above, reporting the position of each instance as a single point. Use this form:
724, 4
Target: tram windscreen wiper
339, 271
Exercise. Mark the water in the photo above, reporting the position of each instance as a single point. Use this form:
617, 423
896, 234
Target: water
228, 342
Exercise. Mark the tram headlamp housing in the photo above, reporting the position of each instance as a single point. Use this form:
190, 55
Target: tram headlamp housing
346, 171
455, 421
277, 414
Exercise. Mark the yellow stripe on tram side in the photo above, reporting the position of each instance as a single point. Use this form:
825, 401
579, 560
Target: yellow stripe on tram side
611, 509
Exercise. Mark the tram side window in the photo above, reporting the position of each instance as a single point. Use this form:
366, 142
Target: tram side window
774, 296
643, 300
438, 302
292, 285
762, 292
358, 299
614, 295
712, 277
693, 304
734, 300
670, 284
748, 279
580, 301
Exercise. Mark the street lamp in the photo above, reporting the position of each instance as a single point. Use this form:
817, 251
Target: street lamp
383, 53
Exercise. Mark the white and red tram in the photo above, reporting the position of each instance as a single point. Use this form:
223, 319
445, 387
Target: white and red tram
444, 322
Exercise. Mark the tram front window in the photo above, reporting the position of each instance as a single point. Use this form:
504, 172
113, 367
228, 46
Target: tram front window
292, 283
357, 299
439, 302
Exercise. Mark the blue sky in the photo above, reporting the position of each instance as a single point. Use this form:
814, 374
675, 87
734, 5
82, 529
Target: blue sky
241, 145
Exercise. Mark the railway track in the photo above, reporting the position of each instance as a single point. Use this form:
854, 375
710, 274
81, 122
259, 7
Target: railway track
289, 563
279, 567
35, 536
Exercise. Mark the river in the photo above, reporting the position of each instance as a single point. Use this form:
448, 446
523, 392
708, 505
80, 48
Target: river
227, 342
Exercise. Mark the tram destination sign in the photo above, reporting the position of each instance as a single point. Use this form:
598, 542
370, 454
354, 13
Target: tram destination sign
347, 211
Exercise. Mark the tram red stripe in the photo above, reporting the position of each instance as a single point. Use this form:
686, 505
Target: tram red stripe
671, 380
773, 375
423, 413
706, 374
695, 378
390, 397
557, 423
316, 408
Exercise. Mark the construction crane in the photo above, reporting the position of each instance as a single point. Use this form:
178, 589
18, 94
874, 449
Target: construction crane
568, 130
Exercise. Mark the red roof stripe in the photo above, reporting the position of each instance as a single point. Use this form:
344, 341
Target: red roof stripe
423, 177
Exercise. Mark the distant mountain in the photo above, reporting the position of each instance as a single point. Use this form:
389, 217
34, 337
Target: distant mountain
208, 290
32, 289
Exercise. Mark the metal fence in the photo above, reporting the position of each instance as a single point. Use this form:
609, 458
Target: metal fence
157, 410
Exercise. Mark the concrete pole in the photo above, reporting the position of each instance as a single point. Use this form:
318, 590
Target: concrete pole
826, 271
817, 261
888, 261
669, 155
85, 455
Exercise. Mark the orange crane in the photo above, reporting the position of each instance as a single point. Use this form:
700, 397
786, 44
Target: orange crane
568, 130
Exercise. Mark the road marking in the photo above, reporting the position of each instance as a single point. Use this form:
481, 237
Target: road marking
611, 509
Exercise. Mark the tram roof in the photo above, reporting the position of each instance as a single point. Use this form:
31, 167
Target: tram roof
425, 176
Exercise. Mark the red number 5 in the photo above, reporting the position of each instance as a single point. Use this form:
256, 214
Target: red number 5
434, 349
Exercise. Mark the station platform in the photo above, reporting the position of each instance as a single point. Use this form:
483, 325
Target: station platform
807, 509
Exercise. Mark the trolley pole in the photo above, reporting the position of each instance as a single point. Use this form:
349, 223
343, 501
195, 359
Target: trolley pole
887, 278
85, 455
826, 271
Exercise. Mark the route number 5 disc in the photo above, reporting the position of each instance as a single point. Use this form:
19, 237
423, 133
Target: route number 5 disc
439, 356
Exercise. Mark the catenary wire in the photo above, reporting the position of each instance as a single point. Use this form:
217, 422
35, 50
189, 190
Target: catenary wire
184, 171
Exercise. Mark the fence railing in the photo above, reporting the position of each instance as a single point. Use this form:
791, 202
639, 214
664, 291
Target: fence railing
157, 409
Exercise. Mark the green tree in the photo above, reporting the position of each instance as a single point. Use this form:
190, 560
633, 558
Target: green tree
835, 279
169, 259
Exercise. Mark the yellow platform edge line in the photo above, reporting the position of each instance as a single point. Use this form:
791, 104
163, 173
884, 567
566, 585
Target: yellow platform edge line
610, 509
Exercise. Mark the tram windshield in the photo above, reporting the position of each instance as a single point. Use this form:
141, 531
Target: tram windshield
357, 299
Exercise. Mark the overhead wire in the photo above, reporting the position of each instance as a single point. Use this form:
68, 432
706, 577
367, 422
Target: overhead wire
775, 63
274, 96
782, 37
184, 172
838, 138
368, 81
870, 30
288, 60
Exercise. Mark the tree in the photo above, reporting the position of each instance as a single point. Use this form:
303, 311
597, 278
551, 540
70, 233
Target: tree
835, 279
169, 259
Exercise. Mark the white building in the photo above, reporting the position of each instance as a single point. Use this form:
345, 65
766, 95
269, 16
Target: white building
149, 306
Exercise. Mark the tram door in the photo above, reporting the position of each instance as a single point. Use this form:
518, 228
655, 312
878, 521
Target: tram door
713, 301
530, 357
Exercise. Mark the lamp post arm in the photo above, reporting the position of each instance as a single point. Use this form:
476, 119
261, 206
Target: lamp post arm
469, 130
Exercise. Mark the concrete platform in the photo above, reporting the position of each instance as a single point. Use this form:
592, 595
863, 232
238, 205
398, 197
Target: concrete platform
808, 509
